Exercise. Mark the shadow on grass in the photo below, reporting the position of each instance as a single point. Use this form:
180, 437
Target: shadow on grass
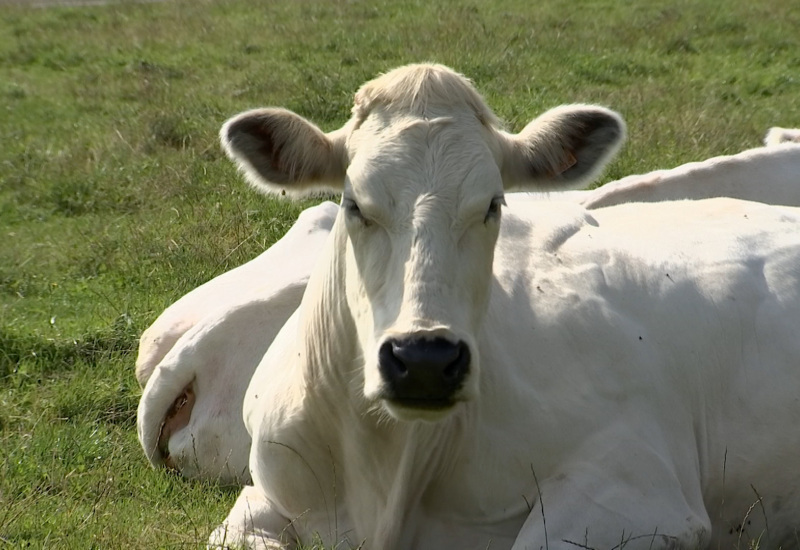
36, 354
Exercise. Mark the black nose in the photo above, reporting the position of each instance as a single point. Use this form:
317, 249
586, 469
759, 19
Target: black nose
423, 373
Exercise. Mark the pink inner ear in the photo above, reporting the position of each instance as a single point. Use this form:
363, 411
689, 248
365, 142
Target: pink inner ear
177, 418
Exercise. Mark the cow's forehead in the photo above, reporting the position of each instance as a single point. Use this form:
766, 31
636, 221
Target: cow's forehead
395, 162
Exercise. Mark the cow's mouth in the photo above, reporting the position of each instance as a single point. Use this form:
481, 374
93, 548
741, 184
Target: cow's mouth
423, 404
428, 410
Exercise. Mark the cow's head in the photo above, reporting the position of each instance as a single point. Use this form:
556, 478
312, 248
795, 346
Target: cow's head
422, 166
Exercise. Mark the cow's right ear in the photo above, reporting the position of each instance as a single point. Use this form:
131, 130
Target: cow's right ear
564, 148
281, 152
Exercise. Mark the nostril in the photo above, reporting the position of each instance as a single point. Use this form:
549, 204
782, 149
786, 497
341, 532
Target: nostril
458, 368
391, 365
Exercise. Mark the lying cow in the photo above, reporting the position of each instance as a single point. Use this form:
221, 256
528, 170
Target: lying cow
766, 174
206, 347
570, 377
260, 276
211, 441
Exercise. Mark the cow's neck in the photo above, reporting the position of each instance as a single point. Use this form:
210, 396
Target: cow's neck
392, 464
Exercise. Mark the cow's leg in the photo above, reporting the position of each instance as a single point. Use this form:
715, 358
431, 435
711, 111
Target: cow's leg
630, 499
253, 523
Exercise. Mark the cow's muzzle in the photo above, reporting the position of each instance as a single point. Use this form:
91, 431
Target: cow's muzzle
423, 373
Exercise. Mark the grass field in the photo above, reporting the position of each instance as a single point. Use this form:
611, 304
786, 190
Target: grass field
115, 198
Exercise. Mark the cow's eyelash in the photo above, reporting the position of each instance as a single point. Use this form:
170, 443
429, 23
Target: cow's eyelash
351, 206
352, 209
494, 208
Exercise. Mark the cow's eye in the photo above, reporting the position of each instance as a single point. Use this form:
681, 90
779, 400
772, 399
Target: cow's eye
353, 211
494, 208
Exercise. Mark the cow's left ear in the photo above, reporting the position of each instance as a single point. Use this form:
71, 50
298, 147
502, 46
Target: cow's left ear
281, 152
565, 148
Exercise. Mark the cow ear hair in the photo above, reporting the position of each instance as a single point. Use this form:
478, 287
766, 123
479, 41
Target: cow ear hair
281, 152
565, 148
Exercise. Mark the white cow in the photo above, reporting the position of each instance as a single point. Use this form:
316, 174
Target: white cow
198, 442
198, 357
763, 174
571, 378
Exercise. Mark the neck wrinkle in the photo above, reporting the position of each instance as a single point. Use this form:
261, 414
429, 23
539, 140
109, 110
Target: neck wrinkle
427, 451
326, 327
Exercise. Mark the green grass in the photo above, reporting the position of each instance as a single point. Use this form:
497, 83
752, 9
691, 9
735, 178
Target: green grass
115, 199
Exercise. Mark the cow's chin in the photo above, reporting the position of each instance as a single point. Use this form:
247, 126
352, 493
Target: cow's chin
433, 411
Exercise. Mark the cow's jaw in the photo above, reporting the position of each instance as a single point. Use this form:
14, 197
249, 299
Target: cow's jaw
421, 233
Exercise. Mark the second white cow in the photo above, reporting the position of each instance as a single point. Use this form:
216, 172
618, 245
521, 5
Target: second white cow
197, 358
766, 174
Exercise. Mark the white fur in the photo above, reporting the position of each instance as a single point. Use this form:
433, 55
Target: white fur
268, 272
585, 370
777, 136
211, 340
634, 375
766, 174
221, 302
